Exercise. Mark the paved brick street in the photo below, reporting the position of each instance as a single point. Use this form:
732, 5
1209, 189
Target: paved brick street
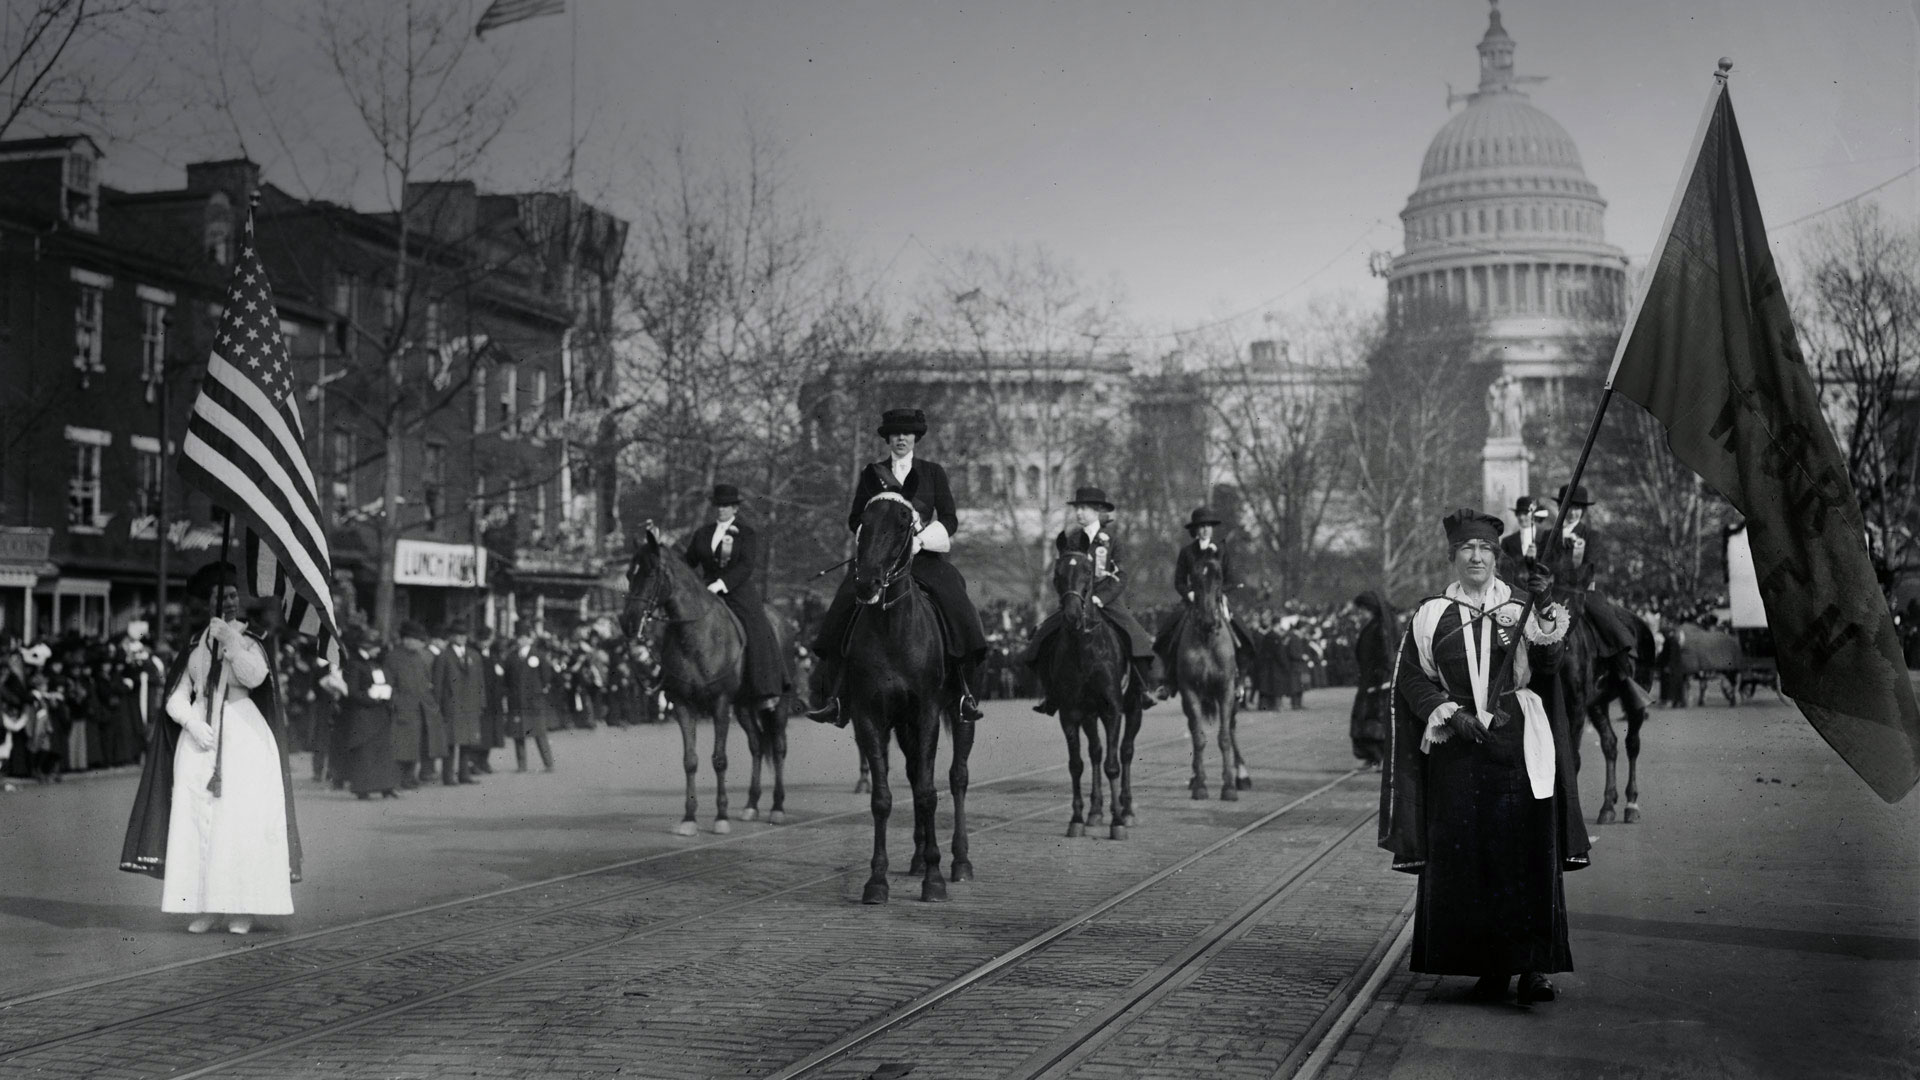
549, 925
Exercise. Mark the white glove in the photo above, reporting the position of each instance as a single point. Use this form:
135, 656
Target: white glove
933, 538
1189, 596
717, 588
333, 684
200, 732
1097, 602
380, 691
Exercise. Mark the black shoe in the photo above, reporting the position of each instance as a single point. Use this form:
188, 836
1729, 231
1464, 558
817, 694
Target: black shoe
828, 713
969, 708
1490, 988
1534, 987
389, 794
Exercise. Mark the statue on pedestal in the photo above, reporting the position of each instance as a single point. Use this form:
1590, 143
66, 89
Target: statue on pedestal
1505, 408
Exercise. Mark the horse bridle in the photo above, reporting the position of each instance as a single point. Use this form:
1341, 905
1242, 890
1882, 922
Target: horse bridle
1085, 594
905, 563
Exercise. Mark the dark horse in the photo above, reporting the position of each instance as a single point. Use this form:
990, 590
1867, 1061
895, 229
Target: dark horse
895, 683
1205, 670
702, 657
1087, 679
1591, 688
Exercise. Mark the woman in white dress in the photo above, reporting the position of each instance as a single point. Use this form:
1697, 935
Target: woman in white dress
227, 847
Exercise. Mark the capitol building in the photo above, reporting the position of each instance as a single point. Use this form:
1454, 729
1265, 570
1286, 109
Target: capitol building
1505, 228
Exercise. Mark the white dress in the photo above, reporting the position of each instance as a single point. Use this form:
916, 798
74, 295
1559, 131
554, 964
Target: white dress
227, 855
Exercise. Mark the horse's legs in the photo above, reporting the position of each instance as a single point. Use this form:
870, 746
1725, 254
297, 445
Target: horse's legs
1228, 792
722, 724
865, 783
1096, 758
1602, 722
749, 718
1114, 718
690, 760
1131, 732
873, 748
1070, 727
1197, 737
958, 868
1635, 717
926, 803
776, 743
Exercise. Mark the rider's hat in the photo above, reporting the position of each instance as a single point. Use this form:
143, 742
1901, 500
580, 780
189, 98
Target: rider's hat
1524, 505
1092, 496
726, 495
1202, 515
1463, 525
1579, 496
903, 422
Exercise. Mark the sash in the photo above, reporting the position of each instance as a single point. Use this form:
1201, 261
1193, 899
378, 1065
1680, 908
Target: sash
1536, 734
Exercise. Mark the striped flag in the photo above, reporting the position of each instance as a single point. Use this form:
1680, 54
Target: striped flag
507, 12
245, 449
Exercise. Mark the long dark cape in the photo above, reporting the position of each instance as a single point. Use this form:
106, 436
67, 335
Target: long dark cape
145, 849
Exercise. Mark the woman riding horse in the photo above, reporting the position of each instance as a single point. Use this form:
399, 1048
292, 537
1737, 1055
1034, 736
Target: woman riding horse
1200, 525
726, 552
923, 484
1090, 534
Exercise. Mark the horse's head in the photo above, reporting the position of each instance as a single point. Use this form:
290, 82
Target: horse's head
883, 548
1073, 577
646, 582
1209, 582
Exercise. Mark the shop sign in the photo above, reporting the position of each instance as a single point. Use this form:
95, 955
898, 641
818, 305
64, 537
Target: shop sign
24, 545
453, 566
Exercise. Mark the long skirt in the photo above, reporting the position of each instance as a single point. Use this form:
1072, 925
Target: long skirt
1491, 900
1367, 727
371, 767
228, 854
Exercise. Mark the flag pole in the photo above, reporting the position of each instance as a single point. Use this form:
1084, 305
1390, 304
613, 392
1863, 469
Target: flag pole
217, 698
1641, 290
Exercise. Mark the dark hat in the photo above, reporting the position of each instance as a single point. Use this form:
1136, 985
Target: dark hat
726, 495
1091, 496
1202, 515
454, 626
1524, 504
1579, 496
1463, 525
903, 422
413, 628
484, 634
212, 576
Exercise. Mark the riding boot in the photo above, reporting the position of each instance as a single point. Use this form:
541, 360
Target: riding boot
969, 706
520, 754
824, 688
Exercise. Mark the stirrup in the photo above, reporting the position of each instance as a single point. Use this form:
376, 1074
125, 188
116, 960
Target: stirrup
828, 713
969, 706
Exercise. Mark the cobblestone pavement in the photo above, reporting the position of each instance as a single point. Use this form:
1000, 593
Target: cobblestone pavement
735, 960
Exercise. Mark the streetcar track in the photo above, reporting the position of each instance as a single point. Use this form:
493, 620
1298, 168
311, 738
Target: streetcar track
1310, 1056
544, 911
574, 875
1005, 960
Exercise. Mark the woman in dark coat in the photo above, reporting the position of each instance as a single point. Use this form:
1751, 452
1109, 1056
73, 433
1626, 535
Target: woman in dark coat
1373, 652
1479, 796
367, 712
1092, 534
726, 552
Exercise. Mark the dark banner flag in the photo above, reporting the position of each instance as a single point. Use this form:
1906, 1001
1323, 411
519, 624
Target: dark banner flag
1710, 350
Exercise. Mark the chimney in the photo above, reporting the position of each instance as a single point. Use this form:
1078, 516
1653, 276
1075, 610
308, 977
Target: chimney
238, 177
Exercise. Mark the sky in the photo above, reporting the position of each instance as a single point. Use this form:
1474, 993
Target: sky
1218, 160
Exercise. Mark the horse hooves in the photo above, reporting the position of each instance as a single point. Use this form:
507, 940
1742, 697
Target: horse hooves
1243, 783
776, 817
751, 813
1228, 794
1118, 832
874, 893
1199, 794
1129, 820
960, 871
1606, 816
1076, 828
861, 788
722, 826
933, 891
917, 867
686, 828
1632, 814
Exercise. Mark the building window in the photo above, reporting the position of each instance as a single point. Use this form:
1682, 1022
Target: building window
346, 307
1053, 481
433, 483
1481, 215
219, 240
509, 394
83, 191
153, 347
984, 475
344, 497
1033, 482
540, 508
89, 300
1500, 220
83, 483
149, 461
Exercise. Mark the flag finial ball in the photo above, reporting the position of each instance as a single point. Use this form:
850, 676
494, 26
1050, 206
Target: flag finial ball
1726, 65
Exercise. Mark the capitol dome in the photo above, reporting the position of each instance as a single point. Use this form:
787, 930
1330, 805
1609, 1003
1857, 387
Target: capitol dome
1505, 225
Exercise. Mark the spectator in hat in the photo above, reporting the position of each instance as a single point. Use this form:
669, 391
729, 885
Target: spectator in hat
418, 731
529, 709
367, 714
460, 682
1091, 533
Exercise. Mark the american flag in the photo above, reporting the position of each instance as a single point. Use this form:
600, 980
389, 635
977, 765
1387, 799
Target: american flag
507, 12
245, 449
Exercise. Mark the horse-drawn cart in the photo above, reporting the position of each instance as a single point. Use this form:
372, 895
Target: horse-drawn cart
1740, 662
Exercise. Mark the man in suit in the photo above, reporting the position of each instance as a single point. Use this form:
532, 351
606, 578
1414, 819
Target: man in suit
460, 683
923, 483
726, 553
1523, 542
528, 707
418, 731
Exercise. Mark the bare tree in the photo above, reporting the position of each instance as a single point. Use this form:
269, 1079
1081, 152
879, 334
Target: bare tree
64, 61
1861, 313
1032, 389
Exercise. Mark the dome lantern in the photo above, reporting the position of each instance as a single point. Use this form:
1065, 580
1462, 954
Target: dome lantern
1496, 57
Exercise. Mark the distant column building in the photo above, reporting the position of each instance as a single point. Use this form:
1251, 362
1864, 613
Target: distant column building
1505, 228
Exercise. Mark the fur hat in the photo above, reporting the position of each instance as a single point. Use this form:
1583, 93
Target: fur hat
1464, 524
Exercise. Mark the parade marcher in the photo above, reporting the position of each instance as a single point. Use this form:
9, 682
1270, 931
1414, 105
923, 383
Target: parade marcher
529, 709
1373, 656
217, 776
1523, 542
417, 727
1091, 533
726, 552
924, 484
367, 712
143, 681
1575, 555
1479, 796
460, 682
1201, 526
